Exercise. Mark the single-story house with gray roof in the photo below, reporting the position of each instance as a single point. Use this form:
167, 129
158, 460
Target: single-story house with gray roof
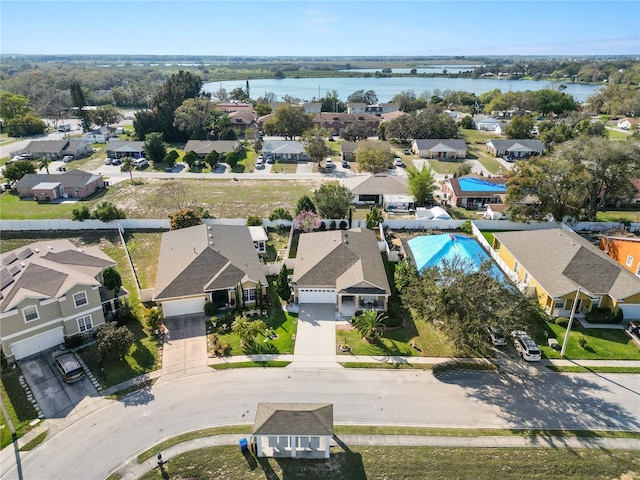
286, 150
441, 149
551, 265
119, 149
47, 187
341, 267
204, 147
215, 263
295, 430
49, 291
348, 150
517, 148
370, 189
57, 149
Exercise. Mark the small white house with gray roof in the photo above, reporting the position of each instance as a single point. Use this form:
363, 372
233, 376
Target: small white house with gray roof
341, 267
371, 189
287, 150
517, 148
439, 148
216, 263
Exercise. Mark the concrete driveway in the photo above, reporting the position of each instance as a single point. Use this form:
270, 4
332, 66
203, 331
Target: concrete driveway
184, 351
316, 336
55, 397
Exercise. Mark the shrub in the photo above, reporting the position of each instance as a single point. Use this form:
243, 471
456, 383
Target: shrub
254, 221
80, 214
209, 309
343, 225
466, 227
73, 341
562, 322
618, 315
332, 225
582, 342
322, 227
107, 212
599, 315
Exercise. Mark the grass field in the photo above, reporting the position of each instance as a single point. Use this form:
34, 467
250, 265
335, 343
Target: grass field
20, 409
403, 463
144, 248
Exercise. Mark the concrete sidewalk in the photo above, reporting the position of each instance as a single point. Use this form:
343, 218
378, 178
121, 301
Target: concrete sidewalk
132, 469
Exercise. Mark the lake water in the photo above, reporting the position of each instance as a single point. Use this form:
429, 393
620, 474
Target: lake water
421, 69
386, 88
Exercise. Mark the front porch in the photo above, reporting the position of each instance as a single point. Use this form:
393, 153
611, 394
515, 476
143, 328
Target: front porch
348, 305
292, 446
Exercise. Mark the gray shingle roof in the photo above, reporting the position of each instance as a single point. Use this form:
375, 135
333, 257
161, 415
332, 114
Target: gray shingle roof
206, 257
204, 147
441, 145
378, 184
532, 145
70, 179
46, 146
50, 270
340, 259
558, 260
294, 419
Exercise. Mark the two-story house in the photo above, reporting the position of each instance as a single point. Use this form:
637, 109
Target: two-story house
49, 291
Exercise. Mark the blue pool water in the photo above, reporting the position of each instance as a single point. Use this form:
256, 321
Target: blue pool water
429, 250
479, 185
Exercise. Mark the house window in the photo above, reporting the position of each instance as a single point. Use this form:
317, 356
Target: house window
80, 299
30, 313
516, 267
249, 295
84, 323
526, 278
629, 261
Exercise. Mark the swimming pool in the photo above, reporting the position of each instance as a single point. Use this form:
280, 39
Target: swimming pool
430, 250
472, 184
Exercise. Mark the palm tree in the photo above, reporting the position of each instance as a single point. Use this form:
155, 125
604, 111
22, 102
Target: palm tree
370, 325
422, 184
248, 329
127, 165
44, 162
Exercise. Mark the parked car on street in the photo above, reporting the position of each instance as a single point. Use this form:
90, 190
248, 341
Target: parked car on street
328, 163
398, 162
497, 336
525, 346
68, 365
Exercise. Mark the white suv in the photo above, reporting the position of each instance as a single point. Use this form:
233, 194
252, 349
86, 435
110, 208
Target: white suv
525, 346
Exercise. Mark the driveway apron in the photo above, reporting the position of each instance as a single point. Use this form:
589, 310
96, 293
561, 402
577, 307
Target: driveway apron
185, 346
55, 397
316, 336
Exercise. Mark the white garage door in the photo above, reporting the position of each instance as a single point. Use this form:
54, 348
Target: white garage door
183, 307
37, 343
316, 295
631, 312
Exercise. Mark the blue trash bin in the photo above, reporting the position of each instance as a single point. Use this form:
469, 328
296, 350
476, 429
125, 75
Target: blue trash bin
244, 446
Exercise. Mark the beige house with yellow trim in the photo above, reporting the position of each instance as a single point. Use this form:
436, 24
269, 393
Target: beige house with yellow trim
551, 264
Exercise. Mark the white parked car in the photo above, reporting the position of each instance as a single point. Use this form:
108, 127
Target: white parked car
398, 162
260, 162
525, 346
497, 336
140, 162
67, 158
107, 161
328, 163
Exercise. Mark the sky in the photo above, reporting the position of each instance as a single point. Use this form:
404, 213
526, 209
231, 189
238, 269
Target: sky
321, 28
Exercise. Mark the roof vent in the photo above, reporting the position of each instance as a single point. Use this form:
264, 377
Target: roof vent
208, 227
210, 235
22, 264
50, 247
37, 250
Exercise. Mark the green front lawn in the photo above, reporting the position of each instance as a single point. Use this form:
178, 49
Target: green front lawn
284, 167
618, 216
405, 463
144, 248
602, 344
143, 355
283, 324
442, 167
20, 409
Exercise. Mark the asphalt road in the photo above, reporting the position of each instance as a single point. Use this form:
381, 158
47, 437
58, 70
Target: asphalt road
99, 442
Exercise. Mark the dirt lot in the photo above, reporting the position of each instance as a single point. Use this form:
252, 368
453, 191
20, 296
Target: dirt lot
222, 198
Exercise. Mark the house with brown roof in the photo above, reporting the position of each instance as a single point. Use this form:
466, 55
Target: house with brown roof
46, 187
341, 267
556, 265
623, 247
336, 122
204, 147
293, 430
50, 291
474, 191
242, 119
370, 189
215, 263
348, 150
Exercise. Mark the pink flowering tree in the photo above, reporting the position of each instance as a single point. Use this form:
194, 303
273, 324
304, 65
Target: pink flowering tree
306, 221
